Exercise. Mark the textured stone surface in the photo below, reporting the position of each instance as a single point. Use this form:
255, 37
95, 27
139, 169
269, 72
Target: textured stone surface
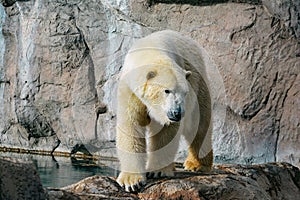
267, 181
60, 60
64, 74
19, 180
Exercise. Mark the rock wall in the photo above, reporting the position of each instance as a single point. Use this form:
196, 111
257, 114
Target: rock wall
60, 61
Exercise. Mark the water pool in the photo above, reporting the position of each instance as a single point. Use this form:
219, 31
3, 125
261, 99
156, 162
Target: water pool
62, 171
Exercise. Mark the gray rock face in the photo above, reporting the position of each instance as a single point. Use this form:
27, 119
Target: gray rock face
69, 55
20, 180
267, 181
60, 60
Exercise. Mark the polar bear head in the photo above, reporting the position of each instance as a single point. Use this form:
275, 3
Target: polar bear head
163, 89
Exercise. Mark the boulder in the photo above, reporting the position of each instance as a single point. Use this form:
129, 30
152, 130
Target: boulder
20, 180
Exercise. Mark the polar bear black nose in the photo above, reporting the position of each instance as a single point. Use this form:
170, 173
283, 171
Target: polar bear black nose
175, 115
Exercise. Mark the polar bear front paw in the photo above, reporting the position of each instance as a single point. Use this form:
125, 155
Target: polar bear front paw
131, 181
164, 172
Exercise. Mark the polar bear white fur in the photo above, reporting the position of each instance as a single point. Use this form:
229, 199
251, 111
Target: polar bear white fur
163, 93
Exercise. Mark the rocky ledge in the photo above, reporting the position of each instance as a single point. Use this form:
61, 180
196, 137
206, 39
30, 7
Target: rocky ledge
265, 181
19, 180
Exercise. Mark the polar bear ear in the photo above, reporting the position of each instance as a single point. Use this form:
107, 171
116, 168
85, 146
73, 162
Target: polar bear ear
151, 75
188, 74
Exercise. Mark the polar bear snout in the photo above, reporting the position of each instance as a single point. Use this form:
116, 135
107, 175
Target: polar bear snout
175, 106
175, 114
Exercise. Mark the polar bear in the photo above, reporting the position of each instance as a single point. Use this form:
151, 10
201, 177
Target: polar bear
163, 93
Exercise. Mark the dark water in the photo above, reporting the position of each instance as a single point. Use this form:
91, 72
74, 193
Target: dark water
61, 171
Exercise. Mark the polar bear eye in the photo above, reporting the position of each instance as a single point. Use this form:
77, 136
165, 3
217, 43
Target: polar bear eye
167, 91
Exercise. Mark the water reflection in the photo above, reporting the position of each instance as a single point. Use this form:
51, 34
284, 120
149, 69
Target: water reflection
62, 171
